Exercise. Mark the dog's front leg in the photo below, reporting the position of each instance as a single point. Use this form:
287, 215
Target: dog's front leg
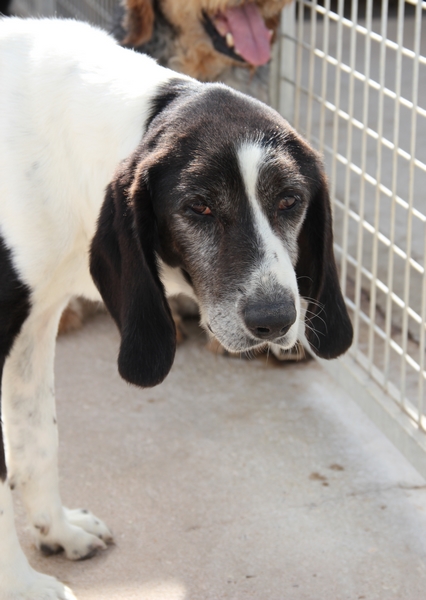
32, 442
18, 580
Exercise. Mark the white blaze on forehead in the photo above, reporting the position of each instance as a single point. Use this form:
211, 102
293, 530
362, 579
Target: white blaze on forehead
276, 260
250, 158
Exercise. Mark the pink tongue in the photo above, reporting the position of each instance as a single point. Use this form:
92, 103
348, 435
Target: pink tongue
251, 37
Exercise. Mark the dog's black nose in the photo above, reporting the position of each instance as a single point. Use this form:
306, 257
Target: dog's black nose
269, 321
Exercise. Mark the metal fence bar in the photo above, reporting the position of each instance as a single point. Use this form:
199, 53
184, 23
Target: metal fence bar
283, 67
360, 238
311, 69
394, 187
349, 143
298, 67
337, 85
374, 267
324, 70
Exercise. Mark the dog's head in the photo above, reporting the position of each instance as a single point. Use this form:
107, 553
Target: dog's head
224, 189
205, 36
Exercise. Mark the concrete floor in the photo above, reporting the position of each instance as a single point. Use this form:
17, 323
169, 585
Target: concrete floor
232, 480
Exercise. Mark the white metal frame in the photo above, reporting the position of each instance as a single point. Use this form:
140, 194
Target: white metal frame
357, 91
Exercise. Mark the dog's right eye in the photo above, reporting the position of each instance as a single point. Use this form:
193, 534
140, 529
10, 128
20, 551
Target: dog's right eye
201, 209
287, 203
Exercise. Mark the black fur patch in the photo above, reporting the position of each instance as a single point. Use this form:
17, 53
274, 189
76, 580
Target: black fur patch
123, 267
329, 329
14, 309
4, 7
169, 92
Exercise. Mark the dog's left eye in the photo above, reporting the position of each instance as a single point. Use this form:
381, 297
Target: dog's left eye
201, 209
287, 202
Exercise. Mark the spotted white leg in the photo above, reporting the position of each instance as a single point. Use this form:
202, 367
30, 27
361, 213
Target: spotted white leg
32, 443
18, 580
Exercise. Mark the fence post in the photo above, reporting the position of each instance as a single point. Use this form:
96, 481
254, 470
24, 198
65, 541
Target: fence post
284, 72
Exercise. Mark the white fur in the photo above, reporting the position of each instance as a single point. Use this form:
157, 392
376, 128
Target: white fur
46, 102
18, 580
96, 127
174, 282
276, 265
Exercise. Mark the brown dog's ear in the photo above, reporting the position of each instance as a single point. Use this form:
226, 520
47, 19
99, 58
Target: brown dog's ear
138, 22
328, 327
124, 269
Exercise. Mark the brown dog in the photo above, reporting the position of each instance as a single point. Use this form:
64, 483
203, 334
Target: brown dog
210, 40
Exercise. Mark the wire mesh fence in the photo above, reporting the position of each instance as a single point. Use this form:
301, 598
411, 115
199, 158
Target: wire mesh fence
357, 91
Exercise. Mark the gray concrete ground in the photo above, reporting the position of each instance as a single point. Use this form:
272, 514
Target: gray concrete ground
232, 480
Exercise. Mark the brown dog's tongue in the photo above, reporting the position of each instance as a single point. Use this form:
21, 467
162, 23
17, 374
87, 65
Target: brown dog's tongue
251, 37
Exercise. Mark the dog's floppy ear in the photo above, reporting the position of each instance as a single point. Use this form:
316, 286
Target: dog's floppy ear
123, 267
138, 22
328, 327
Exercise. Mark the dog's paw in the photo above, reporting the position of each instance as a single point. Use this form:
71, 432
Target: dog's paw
71, 318
297, 353
78, 533
83, 518
27, 584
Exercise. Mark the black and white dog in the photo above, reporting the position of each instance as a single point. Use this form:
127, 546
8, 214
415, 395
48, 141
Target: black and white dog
116, 171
